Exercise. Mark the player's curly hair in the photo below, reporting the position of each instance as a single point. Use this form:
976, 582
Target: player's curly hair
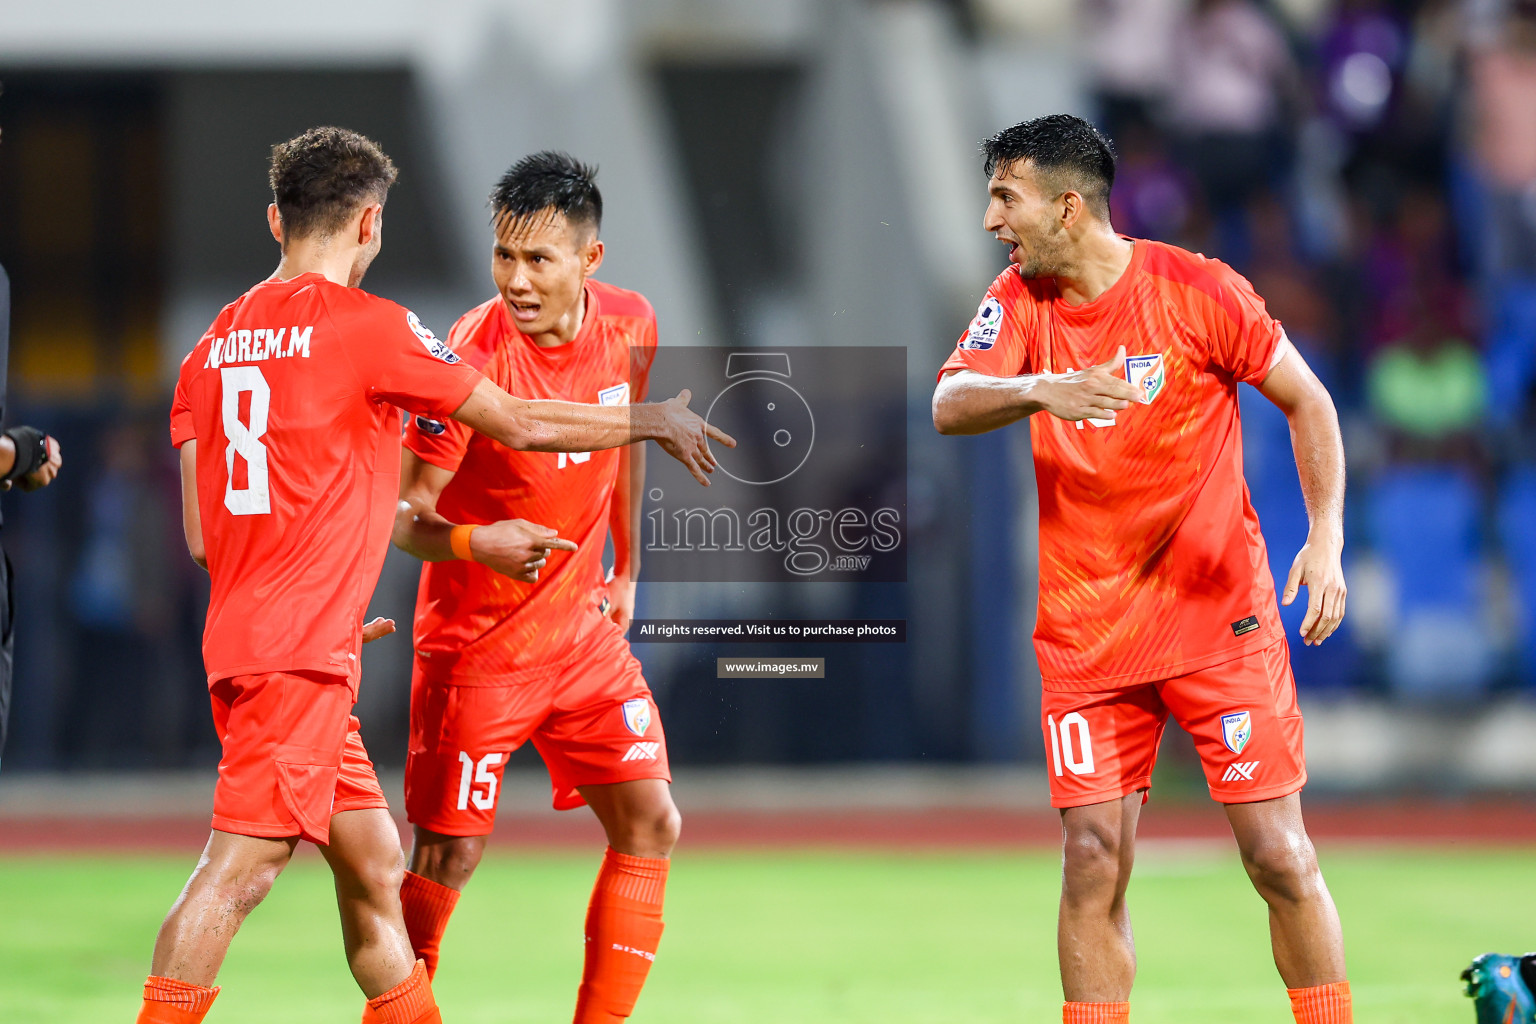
320, 178
1069, 152
549, 180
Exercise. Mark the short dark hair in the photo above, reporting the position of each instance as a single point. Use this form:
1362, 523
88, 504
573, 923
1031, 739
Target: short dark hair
320, 178
1067, 149
549, 180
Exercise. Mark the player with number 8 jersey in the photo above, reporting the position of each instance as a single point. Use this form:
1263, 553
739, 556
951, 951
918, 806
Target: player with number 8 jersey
292, 396
287, 415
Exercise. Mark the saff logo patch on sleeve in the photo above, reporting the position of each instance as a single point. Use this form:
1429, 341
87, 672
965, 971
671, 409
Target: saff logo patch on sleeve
429, 340
1236, 730
1145, 374
637, 715
430, 426
984, 329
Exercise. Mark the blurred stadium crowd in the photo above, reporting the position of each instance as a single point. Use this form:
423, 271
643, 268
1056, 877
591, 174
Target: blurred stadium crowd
1369, 164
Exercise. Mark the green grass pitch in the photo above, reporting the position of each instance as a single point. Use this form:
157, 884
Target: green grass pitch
798, 936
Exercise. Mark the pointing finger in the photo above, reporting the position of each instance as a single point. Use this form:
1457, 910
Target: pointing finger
719, 435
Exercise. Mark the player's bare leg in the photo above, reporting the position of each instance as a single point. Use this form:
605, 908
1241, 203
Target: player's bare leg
232, 877
1093, 934
364, 855
1303, 923
639, 816
446, 860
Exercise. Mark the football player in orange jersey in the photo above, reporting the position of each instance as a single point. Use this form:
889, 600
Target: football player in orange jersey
507, 651
286, 417
1155, 596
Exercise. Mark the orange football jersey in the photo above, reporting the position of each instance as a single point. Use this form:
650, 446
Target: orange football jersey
291, 396
478, 625
1151, 560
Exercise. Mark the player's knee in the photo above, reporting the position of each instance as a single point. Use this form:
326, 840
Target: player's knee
450, 861
650, 831
382, 874
240, 887
1091, 858
374, 876
1283, 866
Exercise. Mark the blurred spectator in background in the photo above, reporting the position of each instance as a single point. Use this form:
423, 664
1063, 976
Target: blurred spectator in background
121, 599
1230, 104
1429, 388
1502, 73
1128, 46
1153, 197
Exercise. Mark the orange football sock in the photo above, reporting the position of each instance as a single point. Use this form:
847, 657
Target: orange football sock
427, 905
409, 1002
623, 931
1322, 1004
1095, 1013
168, 1001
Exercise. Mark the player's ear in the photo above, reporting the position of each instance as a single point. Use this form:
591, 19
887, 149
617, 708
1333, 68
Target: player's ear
591, 256
1072, 207
370, 223
275, 223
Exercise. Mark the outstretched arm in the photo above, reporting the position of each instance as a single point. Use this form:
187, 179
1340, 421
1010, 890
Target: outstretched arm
966, 402
512, 547
1319, 449
548, 426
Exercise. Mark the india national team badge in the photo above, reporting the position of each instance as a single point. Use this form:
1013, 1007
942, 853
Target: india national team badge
1236, 730
982, 334
1145, 374
637, 715
616, 395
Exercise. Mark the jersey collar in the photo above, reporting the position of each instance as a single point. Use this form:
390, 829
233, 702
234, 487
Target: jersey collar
1096, 308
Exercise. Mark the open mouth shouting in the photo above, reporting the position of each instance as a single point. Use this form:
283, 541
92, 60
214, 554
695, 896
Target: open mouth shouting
523, 312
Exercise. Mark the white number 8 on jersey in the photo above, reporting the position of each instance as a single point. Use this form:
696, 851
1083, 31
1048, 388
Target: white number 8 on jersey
253, 499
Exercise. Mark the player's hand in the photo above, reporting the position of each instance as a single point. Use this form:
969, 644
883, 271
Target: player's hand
621, 600
687, 437
43, 475
377, 628
1095, 393
516, 547
1319, 567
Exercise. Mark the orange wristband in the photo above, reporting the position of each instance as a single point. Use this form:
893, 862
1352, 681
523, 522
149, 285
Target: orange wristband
458, 540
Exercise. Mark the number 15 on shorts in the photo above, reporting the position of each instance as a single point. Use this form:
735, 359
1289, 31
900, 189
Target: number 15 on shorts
1071, 746
477, 780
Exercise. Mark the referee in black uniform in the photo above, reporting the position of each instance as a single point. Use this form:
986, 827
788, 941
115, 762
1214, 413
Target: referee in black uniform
29, 459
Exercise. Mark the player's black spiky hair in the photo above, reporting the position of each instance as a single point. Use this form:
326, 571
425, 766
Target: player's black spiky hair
1071, 153
549, 180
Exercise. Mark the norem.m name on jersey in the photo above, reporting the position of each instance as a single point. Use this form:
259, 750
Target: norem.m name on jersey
249, 346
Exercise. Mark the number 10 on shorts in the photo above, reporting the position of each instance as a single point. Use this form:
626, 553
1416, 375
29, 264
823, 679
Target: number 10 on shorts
1070, 744
475, 775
